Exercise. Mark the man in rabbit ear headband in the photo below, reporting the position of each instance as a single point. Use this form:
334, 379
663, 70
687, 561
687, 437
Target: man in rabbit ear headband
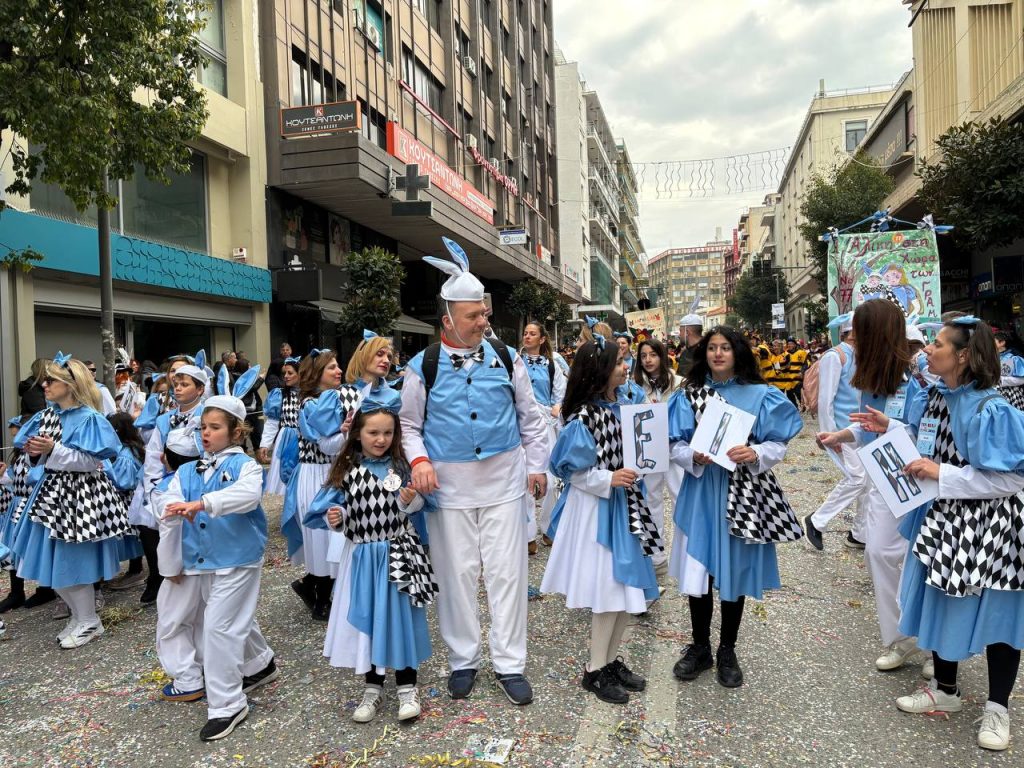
478, 444
691, 328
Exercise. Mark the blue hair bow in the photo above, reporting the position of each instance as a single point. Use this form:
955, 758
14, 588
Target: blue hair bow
599, 341
622, 335
291, 361
314, 353
591, 321
838, 321
61, 359
966, 320
367, 335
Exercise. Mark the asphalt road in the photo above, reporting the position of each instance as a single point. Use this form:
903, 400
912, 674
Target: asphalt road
812, 695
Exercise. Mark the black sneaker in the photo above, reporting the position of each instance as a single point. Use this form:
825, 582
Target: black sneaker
516, 688
266, 675
628, 680
852, 542
149, 594
729, 673
460, 683
219, 727
605, 685
305, 591
12, 601
695, 659
813, 534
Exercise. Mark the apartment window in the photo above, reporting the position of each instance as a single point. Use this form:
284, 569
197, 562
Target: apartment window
213, 67
506, 42
488, 81
374, 125
855, 131
171, 213
423, 83
461, 44
310, 84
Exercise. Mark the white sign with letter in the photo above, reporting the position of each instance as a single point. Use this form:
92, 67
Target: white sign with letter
778, 317
645, 437
884, 460
721, 428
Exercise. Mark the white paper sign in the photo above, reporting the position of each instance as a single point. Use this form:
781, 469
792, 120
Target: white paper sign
884, 460
645, 437
721, 428
838, 461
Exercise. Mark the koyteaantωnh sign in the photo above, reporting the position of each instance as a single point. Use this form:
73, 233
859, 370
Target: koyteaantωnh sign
321, 118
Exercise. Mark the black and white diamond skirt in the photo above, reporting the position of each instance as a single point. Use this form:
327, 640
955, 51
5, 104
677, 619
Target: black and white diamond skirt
80, 506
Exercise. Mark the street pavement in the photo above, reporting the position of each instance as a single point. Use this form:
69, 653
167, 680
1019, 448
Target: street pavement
811, 697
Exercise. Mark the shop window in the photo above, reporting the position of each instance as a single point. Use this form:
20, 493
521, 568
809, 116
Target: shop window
172, 213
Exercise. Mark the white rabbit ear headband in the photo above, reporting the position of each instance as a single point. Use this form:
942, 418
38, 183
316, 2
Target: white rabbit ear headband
461, 285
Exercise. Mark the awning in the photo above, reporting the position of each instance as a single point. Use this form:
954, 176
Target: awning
331, 310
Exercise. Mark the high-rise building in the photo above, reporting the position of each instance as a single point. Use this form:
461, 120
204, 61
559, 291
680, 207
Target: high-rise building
680, 275
189, 258
572, 169
465, 91
754, 242
633, 285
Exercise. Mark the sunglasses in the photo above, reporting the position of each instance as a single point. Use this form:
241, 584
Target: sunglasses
48, 380
92, 370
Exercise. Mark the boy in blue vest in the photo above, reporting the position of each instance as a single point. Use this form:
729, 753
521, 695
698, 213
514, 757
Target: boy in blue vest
212, 537
476, 439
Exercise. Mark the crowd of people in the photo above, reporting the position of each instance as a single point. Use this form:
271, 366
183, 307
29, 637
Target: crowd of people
401, 492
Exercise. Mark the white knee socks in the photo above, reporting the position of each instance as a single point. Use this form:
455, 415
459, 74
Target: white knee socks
602, 628
81, 599
615, 642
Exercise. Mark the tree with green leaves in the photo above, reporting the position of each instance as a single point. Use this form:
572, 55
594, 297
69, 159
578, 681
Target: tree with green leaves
977, 184
533, 300
756, 290
99, 86
842, 196
373, 292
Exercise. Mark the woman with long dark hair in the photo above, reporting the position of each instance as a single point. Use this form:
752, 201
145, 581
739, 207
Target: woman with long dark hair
601, 557
723, 538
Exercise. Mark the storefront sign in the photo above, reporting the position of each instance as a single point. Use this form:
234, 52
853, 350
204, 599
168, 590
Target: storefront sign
405, 147
321, 118
902, 267
891, 140
571, 273
506, 181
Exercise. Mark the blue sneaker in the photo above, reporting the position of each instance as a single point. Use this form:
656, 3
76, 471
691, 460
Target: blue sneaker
170, 693
516, 687
460, 683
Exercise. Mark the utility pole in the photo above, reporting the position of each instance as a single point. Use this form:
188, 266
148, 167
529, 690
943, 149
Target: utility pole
106, 292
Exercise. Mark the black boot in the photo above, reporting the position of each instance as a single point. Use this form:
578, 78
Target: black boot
729, 673
41, 596
322, 598
304, 588
695, 659
17, 597
149, 594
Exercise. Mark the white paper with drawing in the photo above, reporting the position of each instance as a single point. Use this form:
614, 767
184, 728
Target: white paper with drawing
884, 460
645, 437
721, 428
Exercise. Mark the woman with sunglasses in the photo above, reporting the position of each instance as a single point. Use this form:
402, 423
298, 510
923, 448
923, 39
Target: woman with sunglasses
69, 530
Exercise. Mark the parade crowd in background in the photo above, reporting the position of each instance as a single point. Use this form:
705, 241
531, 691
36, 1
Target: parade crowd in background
404, 486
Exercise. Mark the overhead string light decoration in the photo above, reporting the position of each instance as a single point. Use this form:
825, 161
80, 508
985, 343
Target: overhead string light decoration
711, 177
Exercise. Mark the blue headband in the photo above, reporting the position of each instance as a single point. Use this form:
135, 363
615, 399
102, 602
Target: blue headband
291, 361
837, 322
622, 335
314, 353
591, 321
599, 341
966, 320
61, 359
367, 335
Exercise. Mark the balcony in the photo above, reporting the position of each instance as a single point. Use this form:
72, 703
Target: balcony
602, 225
628, 198
597, 140
612, 203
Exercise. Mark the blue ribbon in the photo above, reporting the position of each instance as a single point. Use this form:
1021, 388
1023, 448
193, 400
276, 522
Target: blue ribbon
291, 361
61, 359
599, 341
367, 335
837, 322
591, 321
314, 353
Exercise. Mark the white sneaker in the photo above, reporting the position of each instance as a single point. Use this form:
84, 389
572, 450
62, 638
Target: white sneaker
927, 699
928, 669
994, 732
68, 628
372, 703
896, 655
82, 634
3, 628
408, 702
60, 610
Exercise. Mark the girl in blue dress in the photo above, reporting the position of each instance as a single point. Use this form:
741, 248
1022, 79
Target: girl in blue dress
279, 445
68, 535
1011, 371
728, 523
378, 617
962, 591
548, 382
606, 537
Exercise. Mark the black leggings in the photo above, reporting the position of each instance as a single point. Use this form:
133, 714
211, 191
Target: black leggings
405, 676
1003, 663
701, 610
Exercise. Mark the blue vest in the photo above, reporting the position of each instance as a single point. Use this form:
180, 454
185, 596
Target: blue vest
847, 399
471, 414
541, 379
209, 543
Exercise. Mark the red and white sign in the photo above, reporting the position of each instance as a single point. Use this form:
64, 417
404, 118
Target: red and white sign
506, 181
405, 147
736, 246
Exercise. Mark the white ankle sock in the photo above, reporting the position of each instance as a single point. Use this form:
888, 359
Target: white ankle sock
991, 706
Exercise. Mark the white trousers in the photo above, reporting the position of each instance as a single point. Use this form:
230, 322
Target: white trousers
206, 633
884, 552
849, 490
461, 542
656, 484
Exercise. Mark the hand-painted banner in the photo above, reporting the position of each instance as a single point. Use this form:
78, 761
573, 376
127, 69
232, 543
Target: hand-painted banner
902, 267
652, 319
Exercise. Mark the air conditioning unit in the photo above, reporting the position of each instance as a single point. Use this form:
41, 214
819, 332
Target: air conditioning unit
469, 64
495, 162
373, 36
471, 142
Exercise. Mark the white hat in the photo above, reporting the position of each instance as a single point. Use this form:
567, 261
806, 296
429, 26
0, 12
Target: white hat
914, 334
462, 285
196, 373
232, 405
692, 318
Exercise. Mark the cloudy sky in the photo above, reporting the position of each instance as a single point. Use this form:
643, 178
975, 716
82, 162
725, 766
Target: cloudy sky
694, 79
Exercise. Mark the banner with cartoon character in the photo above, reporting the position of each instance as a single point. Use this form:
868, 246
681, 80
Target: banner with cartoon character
901, 267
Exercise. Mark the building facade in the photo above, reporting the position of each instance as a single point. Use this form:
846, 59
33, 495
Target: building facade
754, 242
572, 168
834, 125
189, 259
681, 275
463, 90
632, 282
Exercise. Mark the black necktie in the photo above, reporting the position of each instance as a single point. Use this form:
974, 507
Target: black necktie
459, 360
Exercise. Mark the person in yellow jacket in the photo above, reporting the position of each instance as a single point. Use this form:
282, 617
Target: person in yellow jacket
791, 371
763, 353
